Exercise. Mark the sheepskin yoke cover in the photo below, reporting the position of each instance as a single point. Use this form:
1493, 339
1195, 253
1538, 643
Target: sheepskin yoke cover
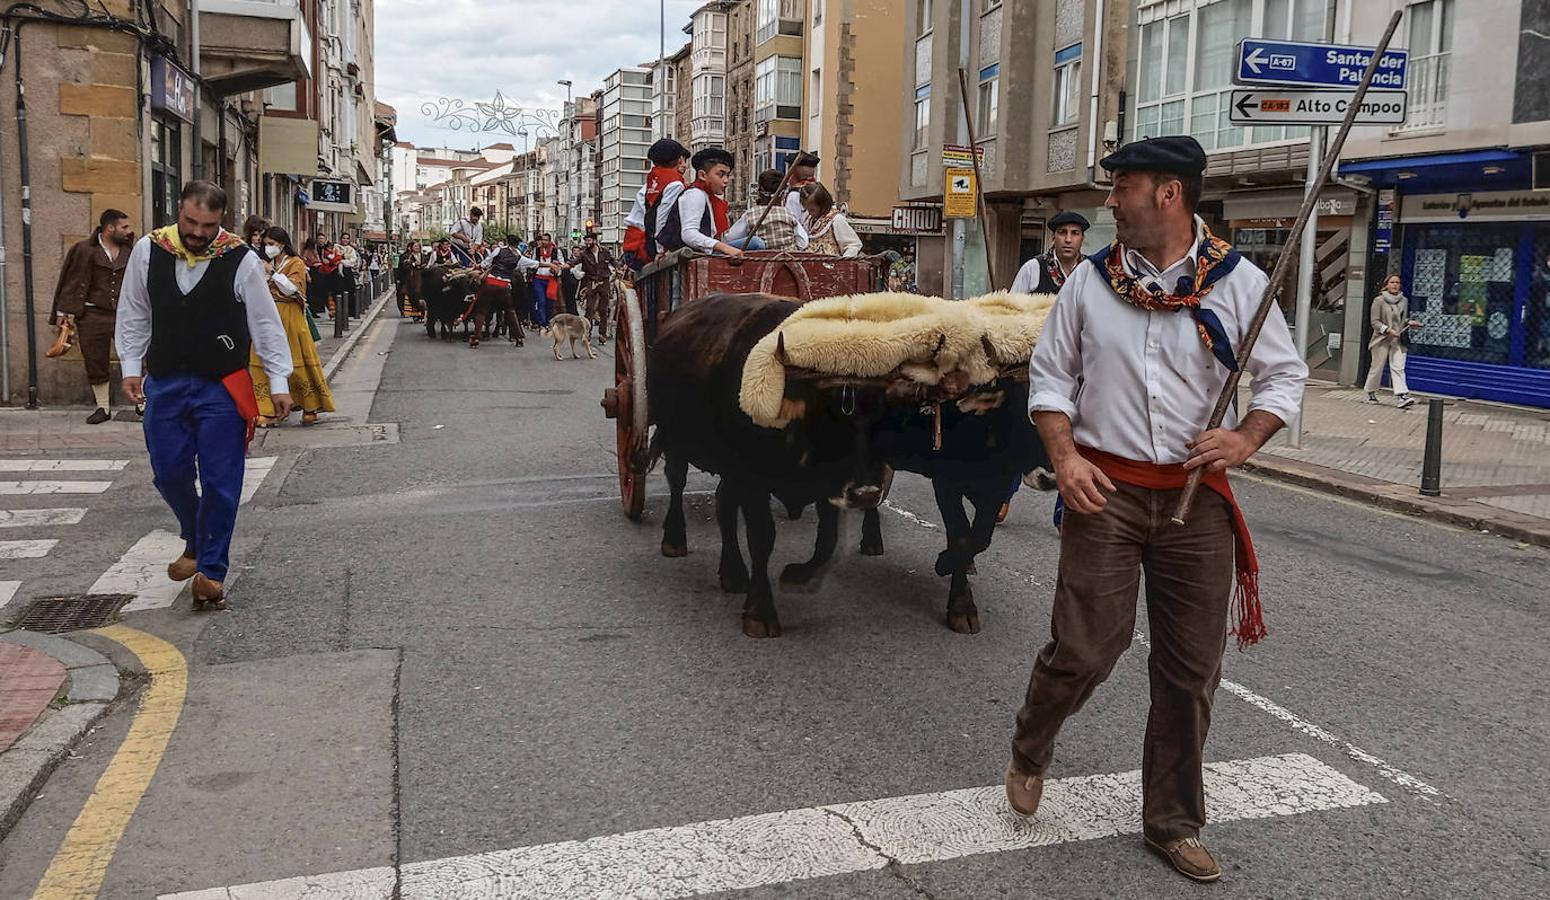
876, 335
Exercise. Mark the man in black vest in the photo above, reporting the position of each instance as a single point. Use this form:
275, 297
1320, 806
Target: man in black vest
501, 269
194, 305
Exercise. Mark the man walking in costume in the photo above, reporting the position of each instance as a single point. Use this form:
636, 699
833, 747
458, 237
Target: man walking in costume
1047, 272
195, 301
1126, 372
87, 295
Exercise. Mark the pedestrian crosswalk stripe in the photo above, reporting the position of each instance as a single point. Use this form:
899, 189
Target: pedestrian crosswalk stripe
142, 571
253, 475
26, 549
823, 841
41, 518
62, 465
8, 591
23, 488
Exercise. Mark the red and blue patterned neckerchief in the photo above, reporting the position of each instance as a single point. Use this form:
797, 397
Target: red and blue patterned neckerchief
1215, 259
1052, 266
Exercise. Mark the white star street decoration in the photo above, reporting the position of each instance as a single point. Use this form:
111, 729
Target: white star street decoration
499, 115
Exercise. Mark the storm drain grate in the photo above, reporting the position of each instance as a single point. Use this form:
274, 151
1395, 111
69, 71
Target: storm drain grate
53, 615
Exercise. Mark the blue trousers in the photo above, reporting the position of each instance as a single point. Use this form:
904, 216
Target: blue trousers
540, 292
193, 430
748, 243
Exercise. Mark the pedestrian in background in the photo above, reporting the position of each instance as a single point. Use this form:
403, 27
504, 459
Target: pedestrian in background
1391, 324
350, 269
309, 391
86, 300
253, 229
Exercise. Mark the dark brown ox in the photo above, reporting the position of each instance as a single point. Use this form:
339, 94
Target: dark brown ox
823, 457
445, 291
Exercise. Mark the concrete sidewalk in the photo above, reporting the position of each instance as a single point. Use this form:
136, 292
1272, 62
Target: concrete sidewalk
1495, 459
53, 429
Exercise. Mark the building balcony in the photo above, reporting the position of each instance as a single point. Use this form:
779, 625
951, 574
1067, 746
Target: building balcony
249, 45
707, 128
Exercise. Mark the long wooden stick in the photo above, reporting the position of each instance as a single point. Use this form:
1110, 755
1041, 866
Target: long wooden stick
979, 182
784, 179
1283, 264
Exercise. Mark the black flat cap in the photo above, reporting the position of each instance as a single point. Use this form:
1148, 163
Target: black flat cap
1069, 218
710, 156
1179, 155
666, 151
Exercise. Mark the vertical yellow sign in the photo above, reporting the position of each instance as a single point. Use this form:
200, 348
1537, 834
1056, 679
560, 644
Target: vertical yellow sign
959, 193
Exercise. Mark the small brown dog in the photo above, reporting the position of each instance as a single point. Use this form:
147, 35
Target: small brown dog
575, 328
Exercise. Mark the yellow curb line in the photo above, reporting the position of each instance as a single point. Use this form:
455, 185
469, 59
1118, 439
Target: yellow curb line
82, 860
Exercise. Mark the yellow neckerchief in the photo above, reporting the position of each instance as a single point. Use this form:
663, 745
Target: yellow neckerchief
168, 239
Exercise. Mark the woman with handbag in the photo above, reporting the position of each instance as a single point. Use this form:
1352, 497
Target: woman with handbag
288, 282
546, 280
1391, 322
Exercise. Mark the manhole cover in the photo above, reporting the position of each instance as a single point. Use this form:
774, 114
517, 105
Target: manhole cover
53, 615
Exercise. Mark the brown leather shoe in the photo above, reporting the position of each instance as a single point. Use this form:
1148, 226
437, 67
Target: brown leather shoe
1023, 792
208, 593
183, 568
1189, 857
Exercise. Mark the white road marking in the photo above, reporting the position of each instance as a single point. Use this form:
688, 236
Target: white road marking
34, 549
1393, 773
253, 474
142, 571
41, 518
62, 465
801, 844
8, 591
907, 515
24, 488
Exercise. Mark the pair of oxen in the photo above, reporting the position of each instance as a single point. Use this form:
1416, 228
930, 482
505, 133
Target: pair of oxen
838, 452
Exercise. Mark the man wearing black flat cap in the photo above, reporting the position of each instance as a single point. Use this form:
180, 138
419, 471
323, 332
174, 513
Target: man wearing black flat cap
1046, 273
1126, 371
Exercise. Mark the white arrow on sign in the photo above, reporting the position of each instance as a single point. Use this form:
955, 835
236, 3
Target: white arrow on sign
1271, 106
1254, 59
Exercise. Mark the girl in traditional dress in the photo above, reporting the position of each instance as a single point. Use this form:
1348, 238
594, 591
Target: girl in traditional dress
828, 231
288, 285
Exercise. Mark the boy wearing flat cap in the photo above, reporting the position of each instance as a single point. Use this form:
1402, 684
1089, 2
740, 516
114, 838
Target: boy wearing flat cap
700, 217
1126, 372
1047, 273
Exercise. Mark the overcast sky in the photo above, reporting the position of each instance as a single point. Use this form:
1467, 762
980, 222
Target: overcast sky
466, 50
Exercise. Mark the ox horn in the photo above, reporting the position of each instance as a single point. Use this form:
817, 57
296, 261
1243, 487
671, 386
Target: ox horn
990, 350
780, 348
941, 341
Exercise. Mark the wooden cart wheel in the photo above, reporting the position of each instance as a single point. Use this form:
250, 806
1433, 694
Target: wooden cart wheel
629, 395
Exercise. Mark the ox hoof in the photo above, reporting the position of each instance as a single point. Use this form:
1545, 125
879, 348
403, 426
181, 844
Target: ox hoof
964, 622
759, 628
798, 573
674, 551
872, 547
734, 583
972, 569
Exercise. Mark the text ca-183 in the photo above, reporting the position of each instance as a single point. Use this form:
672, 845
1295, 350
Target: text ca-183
1276, 106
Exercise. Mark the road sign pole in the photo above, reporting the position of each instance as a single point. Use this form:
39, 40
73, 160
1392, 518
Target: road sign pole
960, 234
1307, 261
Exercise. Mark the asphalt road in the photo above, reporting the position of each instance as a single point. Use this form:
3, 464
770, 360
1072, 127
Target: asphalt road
455, 645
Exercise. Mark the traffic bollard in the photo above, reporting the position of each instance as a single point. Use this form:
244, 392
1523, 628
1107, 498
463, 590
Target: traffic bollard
1431, 467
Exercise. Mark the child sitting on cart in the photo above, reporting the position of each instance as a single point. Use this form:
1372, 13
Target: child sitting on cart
700, 218
663, 185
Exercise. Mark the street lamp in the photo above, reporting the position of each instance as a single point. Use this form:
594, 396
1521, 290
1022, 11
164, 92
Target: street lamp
567, 83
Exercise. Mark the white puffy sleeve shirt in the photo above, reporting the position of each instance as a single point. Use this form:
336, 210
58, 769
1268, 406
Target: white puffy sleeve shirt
1140, 384
132, 330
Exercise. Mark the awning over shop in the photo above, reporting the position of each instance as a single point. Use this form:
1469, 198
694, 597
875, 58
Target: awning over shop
1469, 170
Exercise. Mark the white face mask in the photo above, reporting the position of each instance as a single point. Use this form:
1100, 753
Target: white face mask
272, 250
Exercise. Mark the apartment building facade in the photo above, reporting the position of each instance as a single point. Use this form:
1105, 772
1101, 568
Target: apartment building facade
778, 39
740, 129
624, 136
707, 105
117, 121
851, 115
1457, 200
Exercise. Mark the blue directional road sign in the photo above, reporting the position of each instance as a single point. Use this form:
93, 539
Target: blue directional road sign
1316, 65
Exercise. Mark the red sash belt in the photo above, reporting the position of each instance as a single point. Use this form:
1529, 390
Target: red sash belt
497, 281
1248, 615
239, 385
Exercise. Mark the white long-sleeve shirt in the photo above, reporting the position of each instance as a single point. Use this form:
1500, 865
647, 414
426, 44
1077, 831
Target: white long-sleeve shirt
691, 210
1140, 384
844, 235
132, 333
637, 216
524, 262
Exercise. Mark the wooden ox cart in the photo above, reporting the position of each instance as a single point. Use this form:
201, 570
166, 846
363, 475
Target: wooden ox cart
683, 277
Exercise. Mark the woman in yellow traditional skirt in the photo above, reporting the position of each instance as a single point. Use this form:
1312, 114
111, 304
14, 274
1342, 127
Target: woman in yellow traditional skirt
288, 285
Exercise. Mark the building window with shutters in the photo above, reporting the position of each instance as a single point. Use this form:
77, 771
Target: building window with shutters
922, 117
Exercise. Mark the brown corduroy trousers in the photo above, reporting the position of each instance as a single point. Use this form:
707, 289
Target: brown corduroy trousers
1189, 583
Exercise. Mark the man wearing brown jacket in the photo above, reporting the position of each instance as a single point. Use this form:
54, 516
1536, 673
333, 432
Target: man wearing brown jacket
87, 294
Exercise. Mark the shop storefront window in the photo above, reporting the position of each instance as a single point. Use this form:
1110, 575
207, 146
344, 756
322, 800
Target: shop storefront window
1462, 288
166, 170
1536, 317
